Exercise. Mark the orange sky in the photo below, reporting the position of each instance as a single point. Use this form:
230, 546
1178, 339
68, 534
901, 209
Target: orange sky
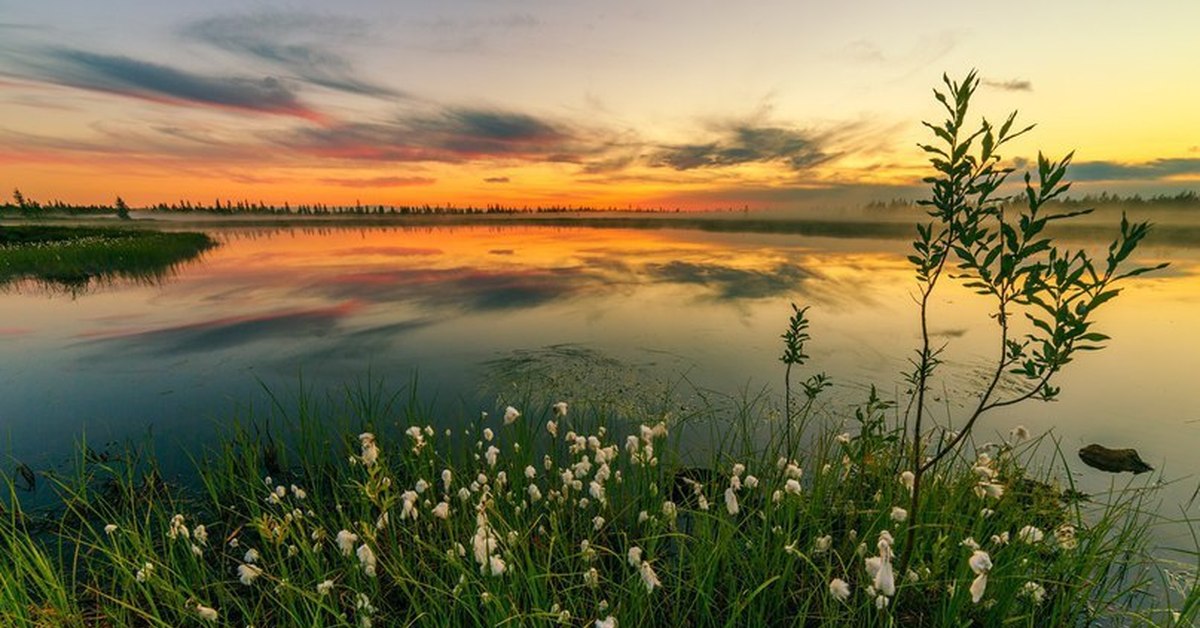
690, 104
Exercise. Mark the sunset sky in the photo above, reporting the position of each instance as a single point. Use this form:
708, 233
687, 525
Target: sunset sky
684, 103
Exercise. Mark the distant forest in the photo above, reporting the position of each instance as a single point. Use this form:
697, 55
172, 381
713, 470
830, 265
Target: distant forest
20, 205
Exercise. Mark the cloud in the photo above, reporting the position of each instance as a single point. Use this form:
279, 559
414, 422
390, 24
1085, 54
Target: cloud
381, 182
471, 289
747, 143
284, 40
496, 180
1011, 85
730, 283
1151, 170
452, 135
125, 76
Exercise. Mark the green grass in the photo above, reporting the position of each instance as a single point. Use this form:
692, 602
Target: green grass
763, 565
73, 257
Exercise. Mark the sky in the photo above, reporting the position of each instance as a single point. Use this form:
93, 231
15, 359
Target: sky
691, 104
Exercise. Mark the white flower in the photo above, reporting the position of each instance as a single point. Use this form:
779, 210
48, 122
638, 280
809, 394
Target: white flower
366, 558
824, 543
560, 409
247, 573
421, 486
1034, 591
323, 588
530, 472
607, 622
598, 522
1065, 535
738, 469
251, 556
980, 562
634, 556
880, 570
447, 479
792, 487
488, 434
839, 589
881, 602
643, 517
750, 482
591, 578
491, 454
345, 541
669, 509
200, 533
1030, 534
496, 565
908, 480
552, 427
510, 415
899, 515
535, 493
143, 574
178, 528
442, 510
843, 438
298, 492
408, 505
1019, 433
110, 528
370, 452
207, 613
978, 585
731, 501
649, 578
970, 542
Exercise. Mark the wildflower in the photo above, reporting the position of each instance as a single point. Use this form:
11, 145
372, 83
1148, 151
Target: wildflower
598, 522
535, 493
986, 513
738, 469
197, 550
843, 438
366, 558
777, 497
488, 434
177, 528
552, 428
345, 541
247, 573
1030, 534
649, 578
989, 489
143, 574
793, 471
1000, 539
110, 528
970, 542
839, 589
669, 510
981, 564
751, 482
510, 415
591, 578
731, 501
907, 479
560, 409
530, 472
824, 543
491, 454
1065, 535
880, 572
607, 622
207, 613
200, 533
370, 452
442, 510
421, 486
792, 487
408, 506
634, 556
496, 565
447, 479
899, 515
1034, 591
643, 517
323, 588
1019, 433
881, 602
252, 556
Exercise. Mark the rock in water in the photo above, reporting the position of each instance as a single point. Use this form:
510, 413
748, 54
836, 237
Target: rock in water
1113, 460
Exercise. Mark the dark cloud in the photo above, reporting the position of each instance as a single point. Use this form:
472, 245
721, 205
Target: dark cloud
1011, 85
1149, 171
130, 77
224, 333
294, 42
496, 180
472, 289
381, 182
745, 143
731, 283
451, 135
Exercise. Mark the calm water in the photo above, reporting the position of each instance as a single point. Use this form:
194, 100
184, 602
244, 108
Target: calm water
331, 303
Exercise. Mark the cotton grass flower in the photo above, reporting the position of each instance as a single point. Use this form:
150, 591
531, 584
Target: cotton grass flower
247, 573
792, 487
370, 452
1034, 591
649, 578
839, 589
607, 622
252, 556
442, 510
345, 541
143, 574
1019, 433
1031, 535
366, 558
511, 415
981, 564
491, 455
597, 522
560, 409
206, 613
634, 556
323, 588
178, 528
823, 544
731, 501
908, 480
1065, 536
899, 515
110, 529
496, 565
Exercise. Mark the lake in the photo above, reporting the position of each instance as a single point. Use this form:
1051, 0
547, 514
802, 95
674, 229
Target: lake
457, 304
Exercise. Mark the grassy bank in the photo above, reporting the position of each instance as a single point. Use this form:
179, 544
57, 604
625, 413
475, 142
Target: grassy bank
71, 257
361, 512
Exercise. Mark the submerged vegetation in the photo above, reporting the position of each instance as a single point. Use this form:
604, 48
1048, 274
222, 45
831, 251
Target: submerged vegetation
70, 258
558, 507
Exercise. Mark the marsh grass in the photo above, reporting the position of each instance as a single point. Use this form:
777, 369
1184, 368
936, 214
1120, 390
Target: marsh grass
72, 258
767, 562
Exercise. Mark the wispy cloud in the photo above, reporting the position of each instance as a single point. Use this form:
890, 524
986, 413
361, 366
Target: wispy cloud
381, 182
1151, 170
1011, 85
747, 143
495, 180
294, 43
126, 76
